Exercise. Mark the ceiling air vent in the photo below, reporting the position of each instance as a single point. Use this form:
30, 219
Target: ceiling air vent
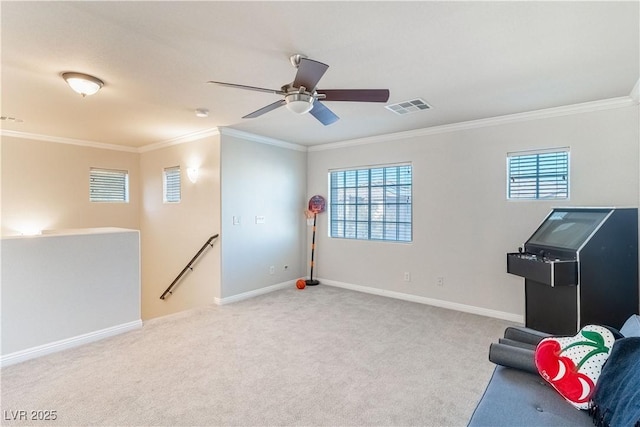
10, 119
406, 107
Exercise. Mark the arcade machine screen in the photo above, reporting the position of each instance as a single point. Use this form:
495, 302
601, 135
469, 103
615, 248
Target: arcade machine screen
567, 229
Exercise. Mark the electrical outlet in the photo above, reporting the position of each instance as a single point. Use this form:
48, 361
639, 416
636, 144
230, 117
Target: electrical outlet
407, 276
440, 282
272, 269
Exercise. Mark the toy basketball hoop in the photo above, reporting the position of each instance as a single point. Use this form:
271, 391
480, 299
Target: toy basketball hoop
316, 206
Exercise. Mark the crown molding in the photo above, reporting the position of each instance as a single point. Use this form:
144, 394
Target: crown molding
262, 139
179, 140
70, 141
157, 145
586, 107
102, 145
606, 104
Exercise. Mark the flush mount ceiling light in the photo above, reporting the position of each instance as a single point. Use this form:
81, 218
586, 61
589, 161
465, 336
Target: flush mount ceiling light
83, 84
202, 112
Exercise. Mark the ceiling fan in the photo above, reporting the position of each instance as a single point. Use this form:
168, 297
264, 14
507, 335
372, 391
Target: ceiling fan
302, 95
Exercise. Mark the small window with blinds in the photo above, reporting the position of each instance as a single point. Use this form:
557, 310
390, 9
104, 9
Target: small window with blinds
107, 185
171, 185
371, 204
538, 175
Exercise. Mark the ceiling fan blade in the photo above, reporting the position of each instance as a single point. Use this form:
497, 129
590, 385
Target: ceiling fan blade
359, 95
323, 114
309, 73
258, 89
266, 109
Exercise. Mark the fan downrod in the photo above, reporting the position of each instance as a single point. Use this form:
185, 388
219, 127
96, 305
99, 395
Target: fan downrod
295, 59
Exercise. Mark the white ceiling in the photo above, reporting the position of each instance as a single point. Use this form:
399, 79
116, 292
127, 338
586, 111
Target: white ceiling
469, 60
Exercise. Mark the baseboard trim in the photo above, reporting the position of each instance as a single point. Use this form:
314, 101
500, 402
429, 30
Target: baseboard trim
54, 347
254, 293
512, 317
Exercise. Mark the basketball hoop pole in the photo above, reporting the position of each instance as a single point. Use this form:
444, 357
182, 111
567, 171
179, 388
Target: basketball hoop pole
312, 282
316, 205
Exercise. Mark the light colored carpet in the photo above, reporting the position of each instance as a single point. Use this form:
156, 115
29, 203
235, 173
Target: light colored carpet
320, 356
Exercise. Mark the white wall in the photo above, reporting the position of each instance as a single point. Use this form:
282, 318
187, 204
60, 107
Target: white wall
172, 233
260, 179
463, 226
65, 289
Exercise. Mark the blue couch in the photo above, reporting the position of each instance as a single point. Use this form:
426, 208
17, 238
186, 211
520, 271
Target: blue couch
517, 396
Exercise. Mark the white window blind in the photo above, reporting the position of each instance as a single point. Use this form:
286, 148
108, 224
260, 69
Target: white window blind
172, 185
106, 185
538, 175
371, 204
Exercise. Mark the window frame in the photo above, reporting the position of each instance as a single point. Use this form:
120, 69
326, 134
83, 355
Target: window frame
393, 226
93, 176
167, 173
537, 190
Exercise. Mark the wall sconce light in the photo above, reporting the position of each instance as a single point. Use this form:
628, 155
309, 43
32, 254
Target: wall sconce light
83, 84
192, 173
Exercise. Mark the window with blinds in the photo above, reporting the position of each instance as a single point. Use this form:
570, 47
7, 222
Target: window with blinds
538, 175
171, 193
106, 185
371, 204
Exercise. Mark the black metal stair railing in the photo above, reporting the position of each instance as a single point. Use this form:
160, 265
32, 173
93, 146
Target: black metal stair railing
188, 267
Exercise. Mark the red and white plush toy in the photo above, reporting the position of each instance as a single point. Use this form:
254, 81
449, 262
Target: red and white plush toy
572, 365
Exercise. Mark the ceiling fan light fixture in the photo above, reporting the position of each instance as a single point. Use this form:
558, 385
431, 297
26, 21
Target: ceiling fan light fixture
299, 103
301, 94
84, 84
